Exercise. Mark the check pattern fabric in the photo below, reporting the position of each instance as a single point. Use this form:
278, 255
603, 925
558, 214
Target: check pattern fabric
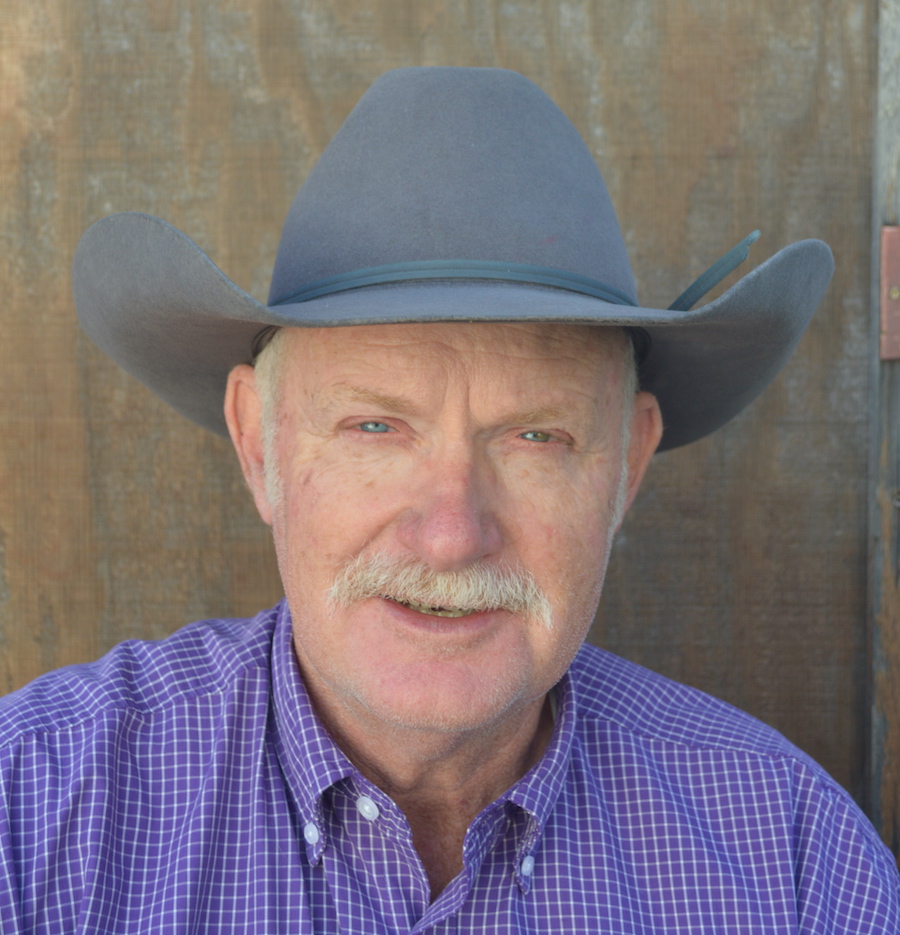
186, 786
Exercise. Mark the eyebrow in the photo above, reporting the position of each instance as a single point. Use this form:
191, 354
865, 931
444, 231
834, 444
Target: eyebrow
360, 394
532, 416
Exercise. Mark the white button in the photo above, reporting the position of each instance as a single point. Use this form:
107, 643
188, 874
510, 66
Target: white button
311, 833
527, 867
367, 808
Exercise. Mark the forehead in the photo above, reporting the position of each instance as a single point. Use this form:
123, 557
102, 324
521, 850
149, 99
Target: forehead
404, 351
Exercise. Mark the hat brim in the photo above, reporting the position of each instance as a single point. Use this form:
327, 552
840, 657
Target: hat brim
149, 297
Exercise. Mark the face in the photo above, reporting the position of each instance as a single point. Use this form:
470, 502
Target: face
444, 447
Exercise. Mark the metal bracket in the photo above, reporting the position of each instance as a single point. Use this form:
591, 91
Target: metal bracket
890, 294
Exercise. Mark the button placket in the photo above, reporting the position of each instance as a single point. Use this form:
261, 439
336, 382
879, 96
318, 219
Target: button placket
315, 842
524, 873
526, 861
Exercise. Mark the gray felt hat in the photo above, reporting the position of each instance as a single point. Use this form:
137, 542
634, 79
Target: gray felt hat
449, 194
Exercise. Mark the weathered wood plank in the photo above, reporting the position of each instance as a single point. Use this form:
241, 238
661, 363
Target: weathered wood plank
885, 481
743, 569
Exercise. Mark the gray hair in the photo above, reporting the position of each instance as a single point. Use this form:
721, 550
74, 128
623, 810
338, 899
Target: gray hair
269, 366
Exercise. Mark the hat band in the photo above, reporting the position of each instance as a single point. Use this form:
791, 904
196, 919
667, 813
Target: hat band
514, 272
459, 269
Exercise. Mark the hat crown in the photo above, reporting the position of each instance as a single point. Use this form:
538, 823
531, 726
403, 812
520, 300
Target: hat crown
452, 164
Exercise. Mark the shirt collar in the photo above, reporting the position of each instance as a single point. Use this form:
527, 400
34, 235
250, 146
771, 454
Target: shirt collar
538, 790
311, 760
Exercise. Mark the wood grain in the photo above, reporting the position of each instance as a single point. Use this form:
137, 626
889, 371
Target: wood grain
885, 460
743, 567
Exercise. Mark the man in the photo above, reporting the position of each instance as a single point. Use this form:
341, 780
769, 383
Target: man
438, 414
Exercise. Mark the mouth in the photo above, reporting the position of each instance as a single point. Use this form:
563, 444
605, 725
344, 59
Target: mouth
434, 611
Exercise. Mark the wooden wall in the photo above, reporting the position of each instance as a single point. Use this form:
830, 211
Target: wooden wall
741, 570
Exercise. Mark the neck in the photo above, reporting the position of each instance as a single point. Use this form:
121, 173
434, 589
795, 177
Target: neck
440, 780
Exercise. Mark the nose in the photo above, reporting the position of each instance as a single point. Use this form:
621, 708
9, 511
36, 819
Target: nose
451, 521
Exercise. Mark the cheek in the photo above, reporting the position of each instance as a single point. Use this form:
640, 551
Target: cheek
331, 508
566, 511
561, 536
304, 536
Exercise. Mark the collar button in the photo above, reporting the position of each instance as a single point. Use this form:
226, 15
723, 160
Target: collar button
367, 808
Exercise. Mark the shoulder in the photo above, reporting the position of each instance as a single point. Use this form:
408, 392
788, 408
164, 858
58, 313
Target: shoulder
682, 773
709, 752
203, 658
613, 691
701, 757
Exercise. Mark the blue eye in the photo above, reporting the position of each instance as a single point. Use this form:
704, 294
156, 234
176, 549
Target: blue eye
374, 427
535, 436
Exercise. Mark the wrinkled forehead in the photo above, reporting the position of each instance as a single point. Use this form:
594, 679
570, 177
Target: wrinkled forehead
514, 367
465, 341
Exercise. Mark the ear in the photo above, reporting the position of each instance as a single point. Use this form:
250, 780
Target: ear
243, 415
646, 431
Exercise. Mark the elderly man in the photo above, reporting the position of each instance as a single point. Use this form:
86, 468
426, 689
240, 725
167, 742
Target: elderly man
439, 415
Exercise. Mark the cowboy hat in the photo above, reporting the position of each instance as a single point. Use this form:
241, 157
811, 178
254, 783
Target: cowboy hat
449, 194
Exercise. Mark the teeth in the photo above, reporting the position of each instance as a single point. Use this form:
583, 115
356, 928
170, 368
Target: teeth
435, 611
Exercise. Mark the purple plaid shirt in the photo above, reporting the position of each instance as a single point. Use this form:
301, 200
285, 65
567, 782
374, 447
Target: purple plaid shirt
187, 786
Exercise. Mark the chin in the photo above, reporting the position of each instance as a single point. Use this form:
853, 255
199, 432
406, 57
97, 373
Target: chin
449, 704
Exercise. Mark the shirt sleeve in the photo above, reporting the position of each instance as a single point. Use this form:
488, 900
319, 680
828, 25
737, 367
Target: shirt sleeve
846, 879
10, 910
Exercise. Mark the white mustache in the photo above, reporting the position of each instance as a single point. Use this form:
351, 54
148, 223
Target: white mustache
478, 587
